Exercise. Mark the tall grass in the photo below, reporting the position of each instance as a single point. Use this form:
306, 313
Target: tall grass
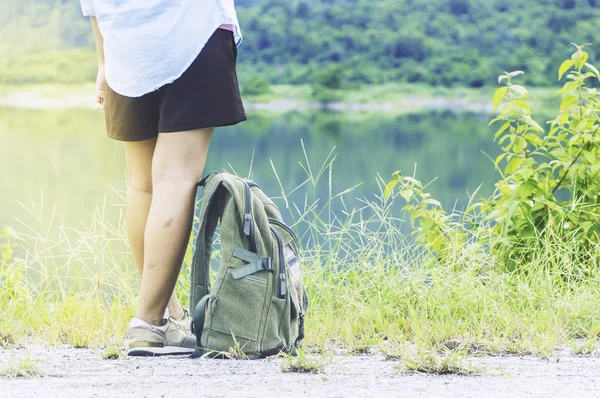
369, 283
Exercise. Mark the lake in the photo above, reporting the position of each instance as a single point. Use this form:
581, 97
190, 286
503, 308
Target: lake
60, 161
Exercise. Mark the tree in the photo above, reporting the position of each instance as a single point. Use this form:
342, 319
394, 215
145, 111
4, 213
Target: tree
459, 7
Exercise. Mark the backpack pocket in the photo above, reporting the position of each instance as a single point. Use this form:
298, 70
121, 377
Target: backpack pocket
276, 330
295, 280
237, 305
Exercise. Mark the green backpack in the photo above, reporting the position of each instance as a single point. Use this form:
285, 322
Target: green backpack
258, 300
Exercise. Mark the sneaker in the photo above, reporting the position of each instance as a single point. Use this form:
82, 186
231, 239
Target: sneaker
185, 323
144, 339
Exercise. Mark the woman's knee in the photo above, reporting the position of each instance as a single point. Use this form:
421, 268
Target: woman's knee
140, 185
138, 155
174, 176
180, 157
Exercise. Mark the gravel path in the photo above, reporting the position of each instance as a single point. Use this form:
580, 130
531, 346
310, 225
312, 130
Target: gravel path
83, 373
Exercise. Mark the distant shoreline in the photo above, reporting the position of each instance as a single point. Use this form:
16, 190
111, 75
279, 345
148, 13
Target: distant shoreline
386, 99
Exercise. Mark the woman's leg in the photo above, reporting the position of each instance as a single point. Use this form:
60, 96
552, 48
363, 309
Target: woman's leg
138, 156
177, 165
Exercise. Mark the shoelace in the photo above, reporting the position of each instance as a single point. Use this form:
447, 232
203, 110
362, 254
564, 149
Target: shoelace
186, 316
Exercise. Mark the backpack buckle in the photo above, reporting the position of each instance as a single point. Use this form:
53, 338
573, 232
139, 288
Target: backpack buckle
267, 264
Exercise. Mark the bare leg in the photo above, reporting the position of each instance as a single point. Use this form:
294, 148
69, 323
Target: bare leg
177, 166
138, 155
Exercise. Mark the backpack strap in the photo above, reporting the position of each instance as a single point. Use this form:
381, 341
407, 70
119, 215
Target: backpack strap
210, 213
255, 263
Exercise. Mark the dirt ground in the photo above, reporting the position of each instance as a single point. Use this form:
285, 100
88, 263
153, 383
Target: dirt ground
83, 373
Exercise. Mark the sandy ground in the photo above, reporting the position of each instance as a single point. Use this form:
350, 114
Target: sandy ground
83, 373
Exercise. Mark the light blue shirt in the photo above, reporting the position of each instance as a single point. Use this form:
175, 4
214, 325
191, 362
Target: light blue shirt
150, 43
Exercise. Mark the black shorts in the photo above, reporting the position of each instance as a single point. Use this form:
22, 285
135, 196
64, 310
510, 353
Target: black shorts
205, 95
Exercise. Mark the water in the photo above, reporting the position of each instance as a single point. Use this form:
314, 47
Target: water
61, 161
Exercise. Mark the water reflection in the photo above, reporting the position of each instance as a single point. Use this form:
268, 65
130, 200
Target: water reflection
65, 155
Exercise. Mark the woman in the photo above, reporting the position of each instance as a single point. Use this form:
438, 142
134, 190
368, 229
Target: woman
166, 79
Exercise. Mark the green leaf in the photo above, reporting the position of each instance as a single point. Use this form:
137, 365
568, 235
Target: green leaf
593, 69
565, 66
499, 158
523, 105
505, 137
433, 202
502, 129
499, 96
570, 87
406, 194
425, 223
413, 181
534, 139
6, 254
526, 189
507, 108
532, 123
519, 89
563, 119
580, 58
389, 188
526, 173
568, 101
590, 157
519, 145
497, 119
515, 73
473, 207
574, 140
513, 165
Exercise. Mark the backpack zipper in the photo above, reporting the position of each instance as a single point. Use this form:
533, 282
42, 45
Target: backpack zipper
248, 227
281, 224
282, 287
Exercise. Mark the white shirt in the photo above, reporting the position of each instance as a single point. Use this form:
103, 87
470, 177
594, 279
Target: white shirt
150, 43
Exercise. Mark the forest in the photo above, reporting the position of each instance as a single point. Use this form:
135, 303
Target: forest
438, 42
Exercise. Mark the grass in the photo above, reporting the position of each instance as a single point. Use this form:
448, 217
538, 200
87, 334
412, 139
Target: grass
22, 367
112, 353
584, 347
369, 285
237, 351
430, 361
300, 363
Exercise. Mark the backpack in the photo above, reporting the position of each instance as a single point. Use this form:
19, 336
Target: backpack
258, 300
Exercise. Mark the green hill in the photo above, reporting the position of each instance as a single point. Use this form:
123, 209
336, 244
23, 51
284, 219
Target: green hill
439, 42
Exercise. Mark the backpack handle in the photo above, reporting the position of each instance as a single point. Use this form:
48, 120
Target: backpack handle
202, 182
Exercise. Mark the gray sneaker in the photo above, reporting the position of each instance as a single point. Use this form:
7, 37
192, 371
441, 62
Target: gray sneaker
144, 339
185, 323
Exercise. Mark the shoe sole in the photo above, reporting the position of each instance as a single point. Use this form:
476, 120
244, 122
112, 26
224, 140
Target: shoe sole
159, 351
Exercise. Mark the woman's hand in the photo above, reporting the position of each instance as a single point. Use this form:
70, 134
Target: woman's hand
100, 87
100, 80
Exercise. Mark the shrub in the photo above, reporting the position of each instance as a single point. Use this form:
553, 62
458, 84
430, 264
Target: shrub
255, 85
550, 177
